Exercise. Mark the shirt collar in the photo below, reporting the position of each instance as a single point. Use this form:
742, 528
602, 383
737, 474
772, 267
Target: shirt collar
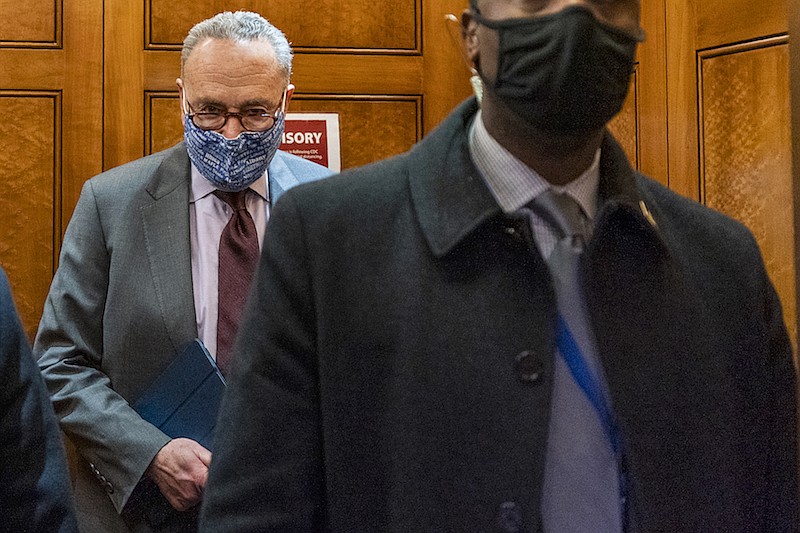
513, 184
201, 187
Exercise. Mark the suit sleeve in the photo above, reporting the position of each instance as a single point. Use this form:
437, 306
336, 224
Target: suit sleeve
108, 433
35, 493
267, 469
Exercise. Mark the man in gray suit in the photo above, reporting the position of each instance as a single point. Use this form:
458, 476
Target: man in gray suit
139, 273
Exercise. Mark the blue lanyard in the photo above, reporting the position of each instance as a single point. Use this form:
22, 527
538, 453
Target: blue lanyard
590, 385
587, 381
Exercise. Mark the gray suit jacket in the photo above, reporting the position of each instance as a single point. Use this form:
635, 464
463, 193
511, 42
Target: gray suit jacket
120, 305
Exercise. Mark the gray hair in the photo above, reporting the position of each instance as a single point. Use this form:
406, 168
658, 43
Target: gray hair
241, 26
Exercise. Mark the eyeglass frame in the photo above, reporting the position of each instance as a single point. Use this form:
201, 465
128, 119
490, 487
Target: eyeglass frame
187, 110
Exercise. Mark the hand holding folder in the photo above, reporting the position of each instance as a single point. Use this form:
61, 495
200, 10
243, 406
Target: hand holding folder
184, 400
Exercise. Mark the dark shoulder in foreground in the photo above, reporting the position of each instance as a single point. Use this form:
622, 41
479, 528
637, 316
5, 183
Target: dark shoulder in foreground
676, 208
387, 180
689, 221
35, 494
364, 185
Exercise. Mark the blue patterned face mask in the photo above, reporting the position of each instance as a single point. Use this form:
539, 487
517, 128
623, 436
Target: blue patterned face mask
232, 165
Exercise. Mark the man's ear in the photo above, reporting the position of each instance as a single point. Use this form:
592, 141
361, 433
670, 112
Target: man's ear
289, 93
179, 83
469, 36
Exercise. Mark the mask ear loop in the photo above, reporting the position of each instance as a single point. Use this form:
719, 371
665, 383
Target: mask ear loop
283, 102
184, 104
454, 29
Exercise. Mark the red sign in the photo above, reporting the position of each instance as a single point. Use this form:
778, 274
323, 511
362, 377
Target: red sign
309, 136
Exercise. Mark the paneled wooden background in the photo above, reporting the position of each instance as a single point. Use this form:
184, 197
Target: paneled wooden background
51, 105
86, 85
729, 130
363, 59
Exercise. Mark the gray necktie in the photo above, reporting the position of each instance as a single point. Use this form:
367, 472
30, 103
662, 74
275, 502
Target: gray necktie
581, 490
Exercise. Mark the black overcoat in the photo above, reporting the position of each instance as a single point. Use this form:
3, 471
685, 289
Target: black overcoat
395, 366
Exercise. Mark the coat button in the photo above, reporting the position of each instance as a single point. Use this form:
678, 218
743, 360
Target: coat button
529, 367
509, 517
109, 487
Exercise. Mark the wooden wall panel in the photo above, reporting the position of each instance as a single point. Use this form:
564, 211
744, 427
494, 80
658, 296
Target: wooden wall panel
355, 24
124, 87
651, 93
82, 127
28, 203
694, 27
725, 22
51, 97
746, 150
313, 73
360, 74
163, 121
729, 137
625, 126
445, 72
371, 127
794, 69
33, 23
142, 58
681, 118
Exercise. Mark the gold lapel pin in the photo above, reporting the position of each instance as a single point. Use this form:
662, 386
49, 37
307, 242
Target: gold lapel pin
647, 214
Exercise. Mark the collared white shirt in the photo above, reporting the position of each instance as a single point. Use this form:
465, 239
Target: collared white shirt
514, 184
208, 216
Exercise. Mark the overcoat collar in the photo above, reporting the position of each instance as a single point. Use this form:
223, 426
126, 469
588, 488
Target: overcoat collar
452, 199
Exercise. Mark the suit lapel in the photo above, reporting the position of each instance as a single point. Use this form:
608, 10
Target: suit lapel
281, 178
165, 220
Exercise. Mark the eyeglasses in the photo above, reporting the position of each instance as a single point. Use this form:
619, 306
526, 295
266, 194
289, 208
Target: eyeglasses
252, 119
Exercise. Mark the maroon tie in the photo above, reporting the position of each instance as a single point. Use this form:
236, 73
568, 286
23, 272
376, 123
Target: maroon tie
238, 256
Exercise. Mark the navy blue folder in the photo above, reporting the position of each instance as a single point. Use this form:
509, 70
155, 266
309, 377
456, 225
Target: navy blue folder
184, 399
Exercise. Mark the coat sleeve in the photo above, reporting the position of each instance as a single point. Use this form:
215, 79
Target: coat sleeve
782, 498
107, 432
35, 492
267, 469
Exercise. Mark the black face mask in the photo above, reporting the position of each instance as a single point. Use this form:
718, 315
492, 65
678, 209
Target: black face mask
566, 72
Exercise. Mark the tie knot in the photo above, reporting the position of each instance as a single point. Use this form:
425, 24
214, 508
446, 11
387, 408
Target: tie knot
236, 200
562, 212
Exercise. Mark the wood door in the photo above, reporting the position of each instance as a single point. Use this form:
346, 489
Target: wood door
794, 55
392, 70
51, 108
640, 126
729, 133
